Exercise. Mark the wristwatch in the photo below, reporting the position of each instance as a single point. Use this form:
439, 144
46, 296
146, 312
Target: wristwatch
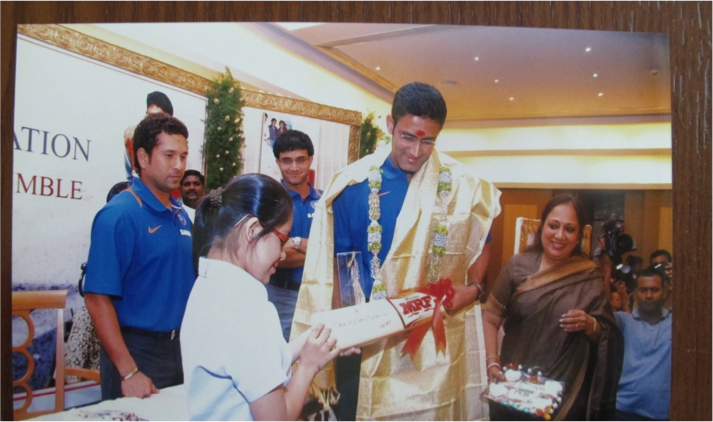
481, 289
298, 242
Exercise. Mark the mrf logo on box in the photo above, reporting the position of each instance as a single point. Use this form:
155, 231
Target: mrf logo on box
414, 307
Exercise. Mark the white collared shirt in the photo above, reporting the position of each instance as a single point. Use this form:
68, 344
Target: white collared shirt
232, 344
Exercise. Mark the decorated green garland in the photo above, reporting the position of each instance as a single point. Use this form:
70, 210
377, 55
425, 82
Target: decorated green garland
223, 131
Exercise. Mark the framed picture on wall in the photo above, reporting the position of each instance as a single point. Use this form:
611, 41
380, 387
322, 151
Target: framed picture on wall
274, 124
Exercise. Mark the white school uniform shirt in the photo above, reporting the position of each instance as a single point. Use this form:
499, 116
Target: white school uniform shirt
232, 345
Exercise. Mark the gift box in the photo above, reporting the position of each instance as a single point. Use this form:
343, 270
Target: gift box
523, 391
367, 323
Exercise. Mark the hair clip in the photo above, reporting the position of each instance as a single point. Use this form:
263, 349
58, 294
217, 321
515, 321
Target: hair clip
241, 220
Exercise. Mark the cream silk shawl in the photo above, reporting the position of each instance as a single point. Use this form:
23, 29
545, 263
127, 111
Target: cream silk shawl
432, 386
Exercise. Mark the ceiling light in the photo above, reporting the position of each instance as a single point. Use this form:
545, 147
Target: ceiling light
512, 98
449, 83
476, 58
588, 49
378, 67
601, 94
496, 81
595, 75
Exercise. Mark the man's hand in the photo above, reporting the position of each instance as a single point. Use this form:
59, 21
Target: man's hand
294, 258
350, 351
623, 296
669, 271
138, 386
464, 295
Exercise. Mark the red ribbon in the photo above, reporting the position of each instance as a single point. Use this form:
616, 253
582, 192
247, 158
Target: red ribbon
443, 292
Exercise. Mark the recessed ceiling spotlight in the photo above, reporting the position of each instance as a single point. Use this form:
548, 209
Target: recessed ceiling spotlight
595, 75
449, 83
512, 98
588, 49
378, 67
601, 94
476, 58
497, 80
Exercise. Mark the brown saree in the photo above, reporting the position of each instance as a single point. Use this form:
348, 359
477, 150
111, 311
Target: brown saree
532, 303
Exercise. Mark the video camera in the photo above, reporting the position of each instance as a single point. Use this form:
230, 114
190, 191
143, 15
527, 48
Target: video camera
616, 242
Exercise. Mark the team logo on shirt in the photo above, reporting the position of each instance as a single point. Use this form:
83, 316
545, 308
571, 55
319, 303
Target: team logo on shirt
180, 218
313, 204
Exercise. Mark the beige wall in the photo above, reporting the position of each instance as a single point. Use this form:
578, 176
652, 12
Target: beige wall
582, 153
648, 219
514, 203
647, 215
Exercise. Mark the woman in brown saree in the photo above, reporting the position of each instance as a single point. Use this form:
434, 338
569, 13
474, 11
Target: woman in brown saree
557, 319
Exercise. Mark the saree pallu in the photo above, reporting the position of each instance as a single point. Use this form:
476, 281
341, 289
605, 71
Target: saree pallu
392, 386
532, 307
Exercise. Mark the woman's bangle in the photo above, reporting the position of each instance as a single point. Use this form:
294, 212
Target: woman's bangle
131, 374
493, 364
594, 326
496, 357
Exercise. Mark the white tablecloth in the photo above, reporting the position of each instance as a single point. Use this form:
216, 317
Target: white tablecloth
168, 405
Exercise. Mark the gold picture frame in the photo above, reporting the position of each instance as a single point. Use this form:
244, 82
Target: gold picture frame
93, 48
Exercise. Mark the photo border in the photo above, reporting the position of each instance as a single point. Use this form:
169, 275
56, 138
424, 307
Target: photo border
687, 24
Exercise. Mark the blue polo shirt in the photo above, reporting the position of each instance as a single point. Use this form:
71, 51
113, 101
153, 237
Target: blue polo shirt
141, 256
302, 214
645, 383
351, 218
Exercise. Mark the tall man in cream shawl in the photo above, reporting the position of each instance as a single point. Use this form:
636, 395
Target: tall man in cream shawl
431, 386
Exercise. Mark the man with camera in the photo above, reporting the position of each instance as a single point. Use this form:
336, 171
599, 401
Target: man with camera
613, 243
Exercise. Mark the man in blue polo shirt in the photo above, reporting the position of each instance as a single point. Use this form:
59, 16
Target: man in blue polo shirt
645, 385
140, 271
294, 153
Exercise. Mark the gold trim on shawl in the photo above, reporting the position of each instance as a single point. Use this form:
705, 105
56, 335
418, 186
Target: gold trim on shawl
385, 392
573, 265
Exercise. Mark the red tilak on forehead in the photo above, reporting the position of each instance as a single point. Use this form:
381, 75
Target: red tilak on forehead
420, 133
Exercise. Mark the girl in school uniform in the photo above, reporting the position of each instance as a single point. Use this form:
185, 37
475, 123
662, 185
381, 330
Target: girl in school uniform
235, 359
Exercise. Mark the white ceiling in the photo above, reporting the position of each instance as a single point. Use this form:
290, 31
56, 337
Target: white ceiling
547, 73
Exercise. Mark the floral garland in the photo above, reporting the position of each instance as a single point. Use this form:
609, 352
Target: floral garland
440, 237
378, 290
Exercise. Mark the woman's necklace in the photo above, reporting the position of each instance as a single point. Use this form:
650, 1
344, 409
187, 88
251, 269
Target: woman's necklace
439, 238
